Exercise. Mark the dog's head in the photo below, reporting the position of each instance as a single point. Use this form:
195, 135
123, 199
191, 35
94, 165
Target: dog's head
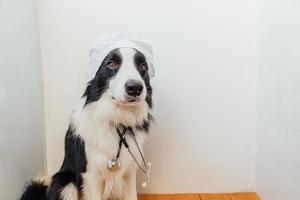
123, 77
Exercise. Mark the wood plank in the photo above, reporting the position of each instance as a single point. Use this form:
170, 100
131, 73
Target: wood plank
146, 196
154, 197
244, 196
185, 197
163, 197
231, 196
215, 197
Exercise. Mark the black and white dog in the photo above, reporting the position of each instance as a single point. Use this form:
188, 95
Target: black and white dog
119, 95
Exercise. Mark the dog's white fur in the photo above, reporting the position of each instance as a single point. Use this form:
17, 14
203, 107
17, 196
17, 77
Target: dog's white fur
70, 192
94, 123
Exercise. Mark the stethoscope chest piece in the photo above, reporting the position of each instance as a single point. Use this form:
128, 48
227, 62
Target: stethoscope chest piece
113, 165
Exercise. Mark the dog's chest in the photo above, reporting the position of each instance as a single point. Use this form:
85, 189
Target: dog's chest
103, 148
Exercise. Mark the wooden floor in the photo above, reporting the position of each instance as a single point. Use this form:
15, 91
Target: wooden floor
229, 196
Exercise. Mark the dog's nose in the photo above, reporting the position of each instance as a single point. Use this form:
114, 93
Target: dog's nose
134, 87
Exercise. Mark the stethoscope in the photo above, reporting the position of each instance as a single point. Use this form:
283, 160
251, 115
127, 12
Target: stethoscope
114, 165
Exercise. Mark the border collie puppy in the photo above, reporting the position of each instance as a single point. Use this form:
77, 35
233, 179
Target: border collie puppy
108, 128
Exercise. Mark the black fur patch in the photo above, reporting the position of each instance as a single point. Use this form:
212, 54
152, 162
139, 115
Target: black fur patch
139, 59
144, 126
59, 181
99, 84
35, 191
75, 160
75, 157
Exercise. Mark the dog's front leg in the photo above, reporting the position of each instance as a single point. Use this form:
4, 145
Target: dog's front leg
92, 187
131, 193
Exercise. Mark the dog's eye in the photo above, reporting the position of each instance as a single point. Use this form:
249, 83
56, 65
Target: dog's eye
143, 66
112, 65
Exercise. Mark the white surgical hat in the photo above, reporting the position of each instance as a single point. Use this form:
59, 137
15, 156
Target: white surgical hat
103, 45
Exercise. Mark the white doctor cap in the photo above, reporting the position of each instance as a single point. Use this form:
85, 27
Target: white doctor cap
103, 45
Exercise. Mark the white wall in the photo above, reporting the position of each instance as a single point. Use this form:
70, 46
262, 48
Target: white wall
278, 100
204, 91
21, 106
